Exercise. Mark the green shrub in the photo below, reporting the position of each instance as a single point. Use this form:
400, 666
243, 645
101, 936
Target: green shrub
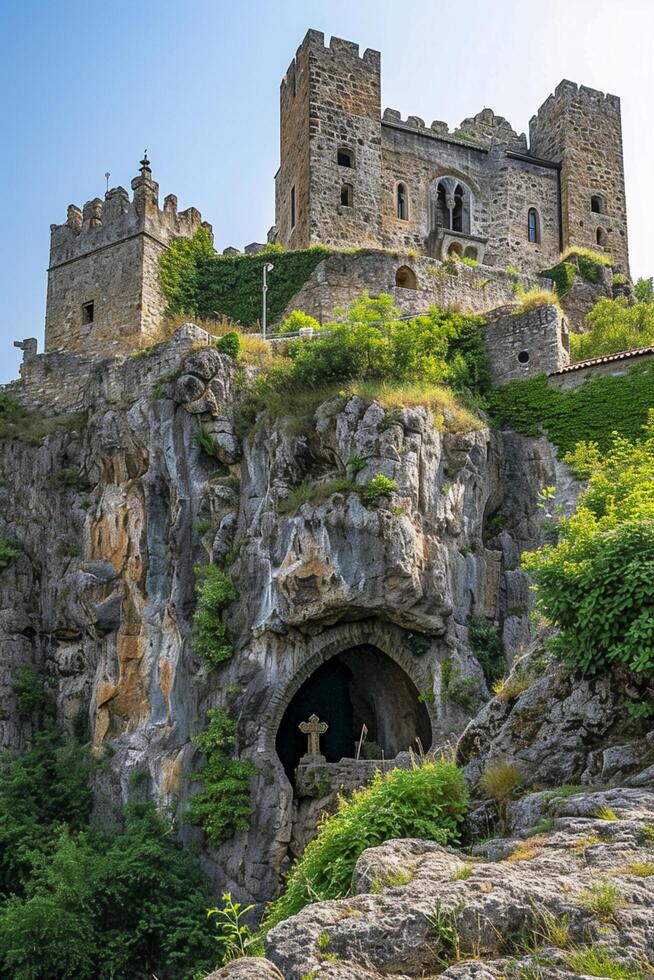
597, 583
8, 551
487, 645
563, 276
614, 325
223, 805
644, 290
29, 692
230, 344
214, 591
378, 486
124, 903
39, 789
206, 442
586, 413
296, 321
16, 422
428, 802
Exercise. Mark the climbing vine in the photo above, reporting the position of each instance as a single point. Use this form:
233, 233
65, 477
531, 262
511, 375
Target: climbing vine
214, 591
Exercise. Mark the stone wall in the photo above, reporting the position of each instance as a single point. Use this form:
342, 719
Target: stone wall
520, 346
108, 255
339, 279
581, 129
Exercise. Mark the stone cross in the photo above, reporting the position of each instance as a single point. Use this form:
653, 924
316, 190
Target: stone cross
314, 728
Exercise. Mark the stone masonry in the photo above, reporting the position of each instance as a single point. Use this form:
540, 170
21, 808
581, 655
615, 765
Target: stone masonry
104, 290
351, 176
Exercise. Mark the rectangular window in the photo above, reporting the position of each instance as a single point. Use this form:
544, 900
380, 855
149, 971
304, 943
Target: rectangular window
87, 313
292, 207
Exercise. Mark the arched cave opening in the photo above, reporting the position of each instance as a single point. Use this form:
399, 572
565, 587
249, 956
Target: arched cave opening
359, 686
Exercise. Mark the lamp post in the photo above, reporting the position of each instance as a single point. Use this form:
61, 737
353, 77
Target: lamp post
267, 267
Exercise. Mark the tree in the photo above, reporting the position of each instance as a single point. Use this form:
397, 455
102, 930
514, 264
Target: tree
597, 583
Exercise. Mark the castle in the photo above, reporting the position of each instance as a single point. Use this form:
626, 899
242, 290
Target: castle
352, 177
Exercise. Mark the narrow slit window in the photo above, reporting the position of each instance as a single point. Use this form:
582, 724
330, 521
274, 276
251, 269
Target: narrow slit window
88, 312
402, 203
347, 196
292, 207
596, 204
601, 237
533, 229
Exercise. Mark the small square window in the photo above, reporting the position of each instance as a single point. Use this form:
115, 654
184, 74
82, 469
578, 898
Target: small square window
87, 312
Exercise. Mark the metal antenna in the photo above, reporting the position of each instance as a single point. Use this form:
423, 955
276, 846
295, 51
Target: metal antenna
106, 177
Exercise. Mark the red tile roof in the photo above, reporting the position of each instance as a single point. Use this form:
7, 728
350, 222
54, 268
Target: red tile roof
605, 359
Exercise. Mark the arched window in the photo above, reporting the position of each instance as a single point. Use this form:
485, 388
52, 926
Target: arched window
470, 253
347, 196
597, 204
533, 226
455, 249
345, 157
453, 201
402, 203
405, 278
601, 237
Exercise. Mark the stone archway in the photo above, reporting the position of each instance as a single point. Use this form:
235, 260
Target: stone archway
357, 686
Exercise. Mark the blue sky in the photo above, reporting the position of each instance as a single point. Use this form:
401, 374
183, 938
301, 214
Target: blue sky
87, 85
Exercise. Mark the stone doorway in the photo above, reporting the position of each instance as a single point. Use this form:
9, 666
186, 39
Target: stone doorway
358, 686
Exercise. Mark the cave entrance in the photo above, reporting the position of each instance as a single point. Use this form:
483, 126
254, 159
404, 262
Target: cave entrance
359, 686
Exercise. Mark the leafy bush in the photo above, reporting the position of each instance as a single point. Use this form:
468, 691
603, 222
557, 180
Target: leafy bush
597, 583
576, 261
586, 413
124, 903
38, 789
214, 591
8, 551
378, 486
614, 325
428, 801
296, 321
644, 290
487, 645
229, 343
29, 692
314, 493
223, 805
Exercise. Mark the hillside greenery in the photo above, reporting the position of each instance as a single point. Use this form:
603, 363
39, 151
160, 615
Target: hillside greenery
428, 802
83, 900
576, 263
597, 582
198, 282
614, 325
592, 412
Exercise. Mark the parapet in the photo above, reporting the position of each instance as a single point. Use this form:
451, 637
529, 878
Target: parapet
104, 222
338, 48
569, 92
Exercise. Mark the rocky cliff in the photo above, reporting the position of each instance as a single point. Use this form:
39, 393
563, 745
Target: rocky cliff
112, 511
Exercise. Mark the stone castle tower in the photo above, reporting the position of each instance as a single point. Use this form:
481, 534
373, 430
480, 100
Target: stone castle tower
104, 292
351, 176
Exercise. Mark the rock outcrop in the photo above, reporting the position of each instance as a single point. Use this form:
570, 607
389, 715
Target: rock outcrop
574, 880
113, 509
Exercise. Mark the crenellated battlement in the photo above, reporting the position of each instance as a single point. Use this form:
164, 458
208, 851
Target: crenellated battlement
479, 131
116, 218
337, 49
567, 93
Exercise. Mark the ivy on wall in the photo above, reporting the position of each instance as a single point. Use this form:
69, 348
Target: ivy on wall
590, 413
198, 282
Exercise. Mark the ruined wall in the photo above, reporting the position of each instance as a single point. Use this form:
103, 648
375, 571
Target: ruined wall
581, 129
108, 255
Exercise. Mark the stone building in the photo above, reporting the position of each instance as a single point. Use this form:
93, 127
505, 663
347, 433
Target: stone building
104, 290
351, 176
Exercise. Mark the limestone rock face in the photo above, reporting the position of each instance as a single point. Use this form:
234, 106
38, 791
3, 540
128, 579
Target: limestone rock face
515, 894
113, 512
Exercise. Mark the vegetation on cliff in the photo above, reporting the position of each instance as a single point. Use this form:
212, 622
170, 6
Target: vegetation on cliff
428, 802
575, 263
597, 582
82, 900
